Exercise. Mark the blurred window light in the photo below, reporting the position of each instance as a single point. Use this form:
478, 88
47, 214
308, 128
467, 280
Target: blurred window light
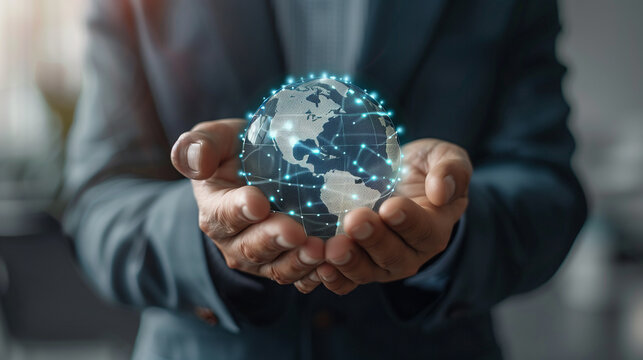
41, 42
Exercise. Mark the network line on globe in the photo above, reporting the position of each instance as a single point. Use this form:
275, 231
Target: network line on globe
319, 147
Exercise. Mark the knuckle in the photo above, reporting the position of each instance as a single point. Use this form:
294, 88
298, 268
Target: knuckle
198, 126
232, 263
370, 243
458, 149
277, 276
269, 242
442, 148
222, 229
410, 271
406, 227
418, 237
441, 246
205, 223
390, 261
250, 253
292, 275
225, 218
224, 221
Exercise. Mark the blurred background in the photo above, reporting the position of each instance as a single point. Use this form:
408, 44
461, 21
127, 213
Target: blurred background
592, 308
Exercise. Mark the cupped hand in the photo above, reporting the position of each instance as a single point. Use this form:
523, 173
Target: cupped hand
237, 217
411, 227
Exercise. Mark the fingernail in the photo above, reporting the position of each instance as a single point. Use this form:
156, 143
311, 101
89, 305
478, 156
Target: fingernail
343, 260
283, 243
299, 284
313, 276
363, 231
194, 154
397, 218
307, 259
449, 185
329, 278
246, 212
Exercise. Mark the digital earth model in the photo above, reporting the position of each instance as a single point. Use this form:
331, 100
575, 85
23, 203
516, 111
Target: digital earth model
320, 148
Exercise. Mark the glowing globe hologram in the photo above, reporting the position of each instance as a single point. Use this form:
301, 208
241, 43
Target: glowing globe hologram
320, 148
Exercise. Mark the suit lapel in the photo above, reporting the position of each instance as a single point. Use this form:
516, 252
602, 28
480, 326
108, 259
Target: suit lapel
398, 34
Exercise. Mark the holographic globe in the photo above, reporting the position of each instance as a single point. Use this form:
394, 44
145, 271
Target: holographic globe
319, 149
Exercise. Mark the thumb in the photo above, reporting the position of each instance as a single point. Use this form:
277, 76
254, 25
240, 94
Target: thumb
449, 173
198, 153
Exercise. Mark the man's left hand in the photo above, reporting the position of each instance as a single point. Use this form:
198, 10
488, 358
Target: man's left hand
411, 228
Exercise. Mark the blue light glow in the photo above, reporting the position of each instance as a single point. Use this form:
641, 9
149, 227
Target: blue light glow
289, 187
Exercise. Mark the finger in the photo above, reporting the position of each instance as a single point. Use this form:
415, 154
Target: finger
334, 280
264, 242
232, 211
411, 222
296, 263
386, 249
198, 153
449, 172
308, 283
352, 261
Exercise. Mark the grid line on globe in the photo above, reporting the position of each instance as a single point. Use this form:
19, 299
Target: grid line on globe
319, 148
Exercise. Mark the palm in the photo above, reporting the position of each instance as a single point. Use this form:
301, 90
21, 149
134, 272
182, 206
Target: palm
227, 176
414, 175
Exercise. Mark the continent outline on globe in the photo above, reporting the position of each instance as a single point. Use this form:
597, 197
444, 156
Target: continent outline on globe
320, 147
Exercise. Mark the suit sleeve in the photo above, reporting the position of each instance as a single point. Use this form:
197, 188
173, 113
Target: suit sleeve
134, 220
526, 206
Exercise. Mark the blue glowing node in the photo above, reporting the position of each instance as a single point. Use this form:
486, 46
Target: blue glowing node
318, 155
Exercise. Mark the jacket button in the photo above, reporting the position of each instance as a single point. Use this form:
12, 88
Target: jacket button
323, 319
206, 315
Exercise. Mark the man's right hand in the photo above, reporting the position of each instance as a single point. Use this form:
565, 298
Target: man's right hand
237, 217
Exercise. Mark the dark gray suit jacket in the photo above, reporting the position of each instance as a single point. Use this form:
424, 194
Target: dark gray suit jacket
482, 74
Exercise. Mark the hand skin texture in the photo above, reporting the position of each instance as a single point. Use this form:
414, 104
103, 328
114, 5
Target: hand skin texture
411, 228
237, 217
